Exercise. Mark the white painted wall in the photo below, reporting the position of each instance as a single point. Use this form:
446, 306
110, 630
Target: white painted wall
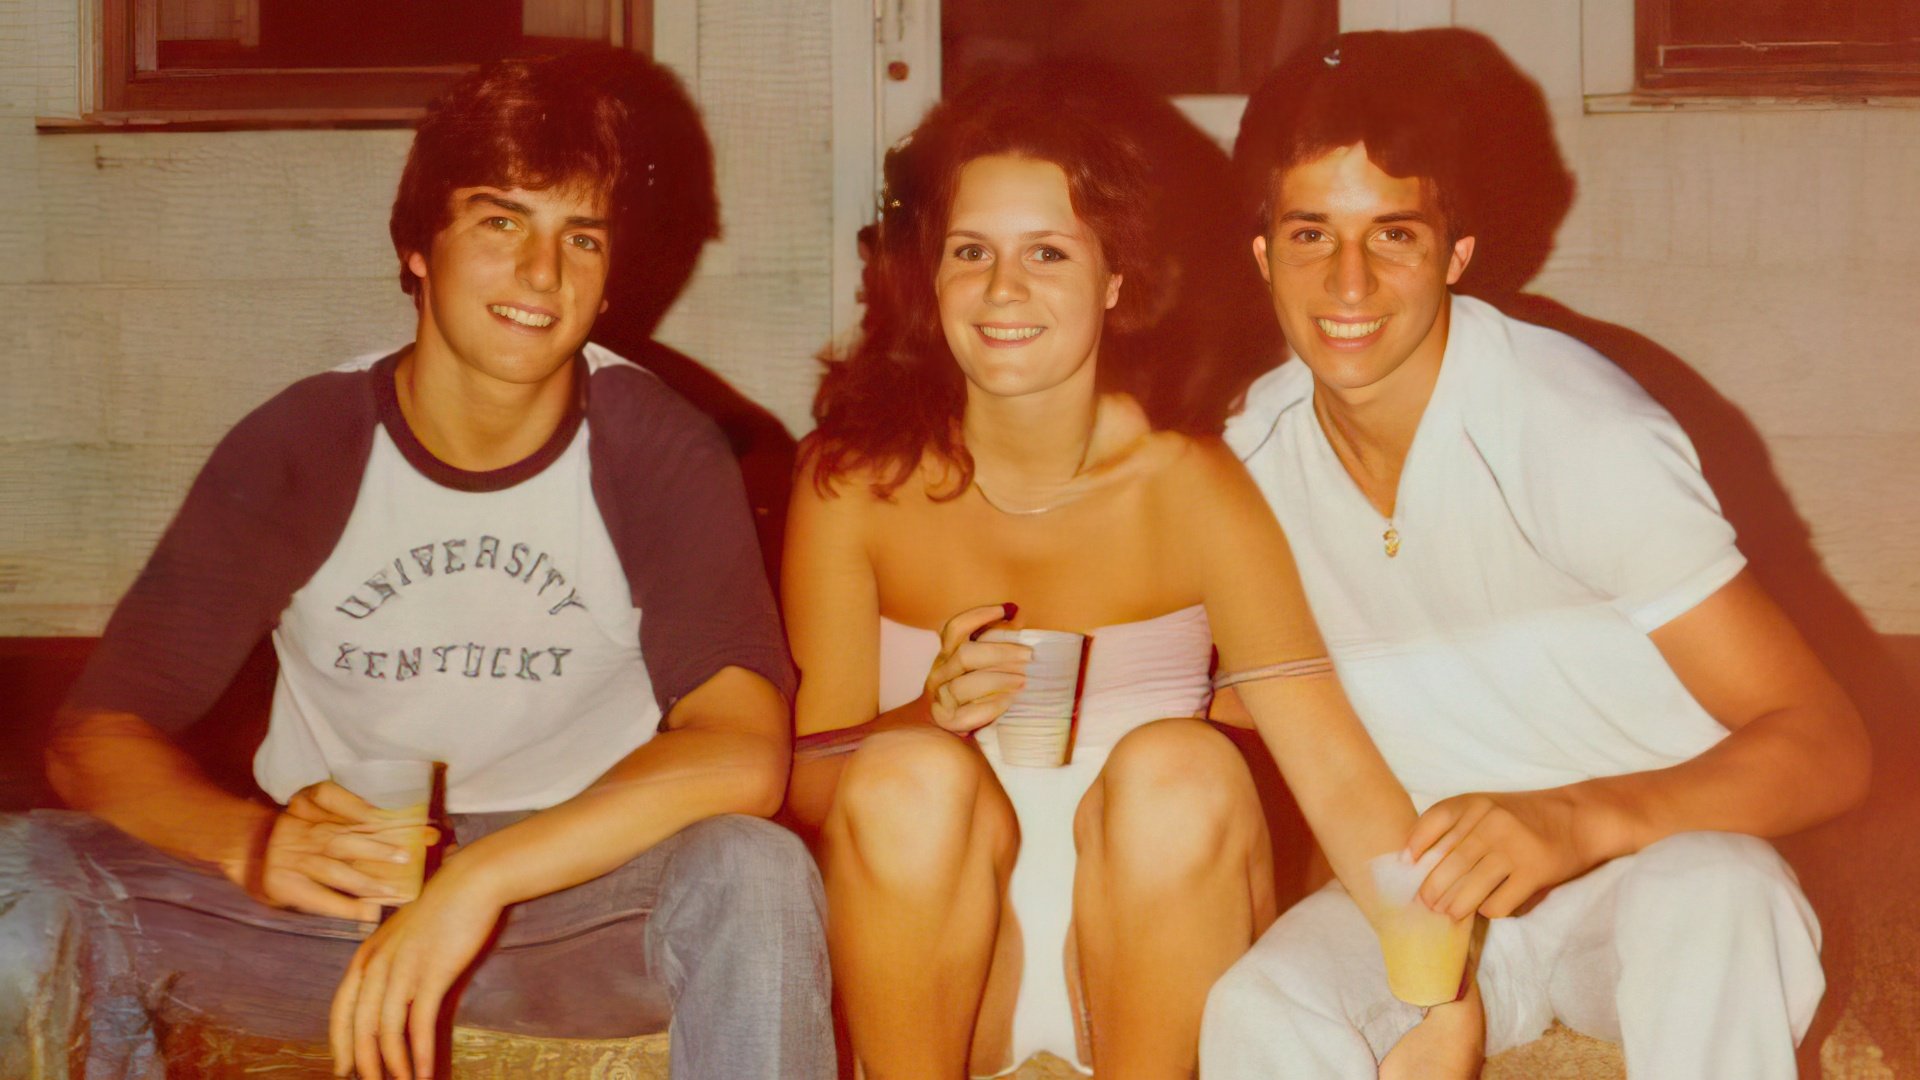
162, 284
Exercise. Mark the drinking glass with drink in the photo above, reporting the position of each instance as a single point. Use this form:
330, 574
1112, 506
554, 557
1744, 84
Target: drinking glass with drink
401, 793
1425, 950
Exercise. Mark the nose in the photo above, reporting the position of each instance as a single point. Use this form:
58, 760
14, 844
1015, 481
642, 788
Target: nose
1350, 275
539, 264
1008, 283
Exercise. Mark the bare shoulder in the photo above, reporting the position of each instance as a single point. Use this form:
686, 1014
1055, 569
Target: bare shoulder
868, 493
1199, 472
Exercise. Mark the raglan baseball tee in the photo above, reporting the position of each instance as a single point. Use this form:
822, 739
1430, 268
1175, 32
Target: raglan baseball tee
528, 626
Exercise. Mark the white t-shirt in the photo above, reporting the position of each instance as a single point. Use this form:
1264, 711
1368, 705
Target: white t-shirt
1550, 516
528, 626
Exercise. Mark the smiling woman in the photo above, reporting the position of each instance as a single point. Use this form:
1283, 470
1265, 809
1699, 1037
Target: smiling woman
976, 464
1023, 285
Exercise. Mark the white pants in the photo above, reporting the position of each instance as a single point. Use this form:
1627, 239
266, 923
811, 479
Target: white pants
1699, 954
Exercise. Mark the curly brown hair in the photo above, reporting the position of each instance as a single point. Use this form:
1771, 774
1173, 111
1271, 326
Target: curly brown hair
897, 392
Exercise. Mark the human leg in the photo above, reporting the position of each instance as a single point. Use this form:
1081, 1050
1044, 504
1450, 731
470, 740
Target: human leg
1310, 999
738, 940
108, 941
1702, 958
1174, 880
916, 852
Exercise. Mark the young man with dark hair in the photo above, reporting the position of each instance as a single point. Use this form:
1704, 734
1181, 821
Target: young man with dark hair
1539, 613
499, 547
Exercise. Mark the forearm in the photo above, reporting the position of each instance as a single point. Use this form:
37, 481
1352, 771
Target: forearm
828, 742
1351, 800
676, 779
123, 770
1777, 774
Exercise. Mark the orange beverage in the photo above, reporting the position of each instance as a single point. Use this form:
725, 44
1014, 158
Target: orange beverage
1425, 951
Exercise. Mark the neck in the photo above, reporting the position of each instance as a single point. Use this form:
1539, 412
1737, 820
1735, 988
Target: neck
1027, 450
473, 421
1372, 427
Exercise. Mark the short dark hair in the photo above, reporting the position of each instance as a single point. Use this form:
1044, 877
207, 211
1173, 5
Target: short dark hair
897, 392
600, 116
1444, 105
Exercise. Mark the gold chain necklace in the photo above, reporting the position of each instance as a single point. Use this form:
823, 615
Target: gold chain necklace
1086, 448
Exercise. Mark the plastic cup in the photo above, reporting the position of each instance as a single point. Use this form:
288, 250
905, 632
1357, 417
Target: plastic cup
401, 792
1037, 728
1425, 951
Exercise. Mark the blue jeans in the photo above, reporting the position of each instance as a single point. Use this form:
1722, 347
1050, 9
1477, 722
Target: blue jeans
714, 934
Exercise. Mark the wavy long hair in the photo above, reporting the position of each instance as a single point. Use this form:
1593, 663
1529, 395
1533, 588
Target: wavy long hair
897, 393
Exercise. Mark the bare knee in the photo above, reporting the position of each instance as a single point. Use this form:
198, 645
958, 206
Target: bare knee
916, 801
1174, 798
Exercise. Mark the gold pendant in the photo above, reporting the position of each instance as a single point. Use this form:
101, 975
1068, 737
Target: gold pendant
1392, 537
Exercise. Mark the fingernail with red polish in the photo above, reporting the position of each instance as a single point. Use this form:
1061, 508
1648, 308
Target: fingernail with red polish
1010, 609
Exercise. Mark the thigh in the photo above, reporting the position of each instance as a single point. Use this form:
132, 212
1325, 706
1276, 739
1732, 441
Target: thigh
152, 934
573, 963
1668, 906
1322, 957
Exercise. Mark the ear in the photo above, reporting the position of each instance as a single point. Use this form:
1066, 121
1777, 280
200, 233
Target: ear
417, 265
1113, 289
603, 307
1260, 256
1462, 255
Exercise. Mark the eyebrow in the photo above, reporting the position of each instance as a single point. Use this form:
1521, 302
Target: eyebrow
575, 221
1035, 235
1316, 218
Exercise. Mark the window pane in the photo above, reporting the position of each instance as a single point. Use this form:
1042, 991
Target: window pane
1755, 22
1191, 47
303, 34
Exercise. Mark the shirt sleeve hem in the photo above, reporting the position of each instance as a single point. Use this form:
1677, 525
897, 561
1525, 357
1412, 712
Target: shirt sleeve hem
769, 664
1687, 594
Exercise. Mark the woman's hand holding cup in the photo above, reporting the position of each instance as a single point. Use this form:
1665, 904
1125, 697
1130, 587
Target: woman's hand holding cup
972, 682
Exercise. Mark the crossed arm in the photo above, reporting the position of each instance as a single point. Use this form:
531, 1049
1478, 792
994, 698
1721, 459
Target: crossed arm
725, 750
1796, 754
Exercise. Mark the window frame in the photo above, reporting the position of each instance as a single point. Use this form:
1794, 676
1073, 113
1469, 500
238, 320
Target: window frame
123, 95
1663, 68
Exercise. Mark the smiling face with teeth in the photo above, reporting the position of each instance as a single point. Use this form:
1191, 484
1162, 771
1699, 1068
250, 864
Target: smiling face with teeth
512, 284
1023, 286
1358, 262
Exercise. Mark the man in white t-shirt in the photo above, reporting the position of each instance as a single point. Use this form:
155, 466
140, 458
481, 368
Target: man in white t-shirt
1531, 598
498, 547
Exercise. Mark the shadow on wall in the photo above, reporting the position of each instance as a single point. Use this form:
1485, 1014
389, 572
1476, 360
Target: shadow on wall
667, 226
1860, 869
1213, 332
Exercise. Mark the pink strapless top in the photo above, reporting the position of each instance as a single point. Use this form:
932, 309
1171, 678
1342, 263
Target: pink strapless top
1136, 672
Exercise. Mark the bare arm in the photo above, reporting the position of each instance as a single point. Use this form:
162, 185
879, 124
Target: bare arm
725, 751
1259, 612
125, 771
1796, 754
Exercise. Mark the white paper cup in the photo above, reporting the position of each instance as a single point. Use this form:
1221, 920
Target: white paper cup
1425, 951
390, 784
401, 792
1037, 728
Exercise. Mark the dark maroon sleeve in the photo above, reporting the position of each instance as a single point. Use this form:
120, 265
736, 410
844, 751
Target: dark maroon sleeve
260, 519
670, 493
